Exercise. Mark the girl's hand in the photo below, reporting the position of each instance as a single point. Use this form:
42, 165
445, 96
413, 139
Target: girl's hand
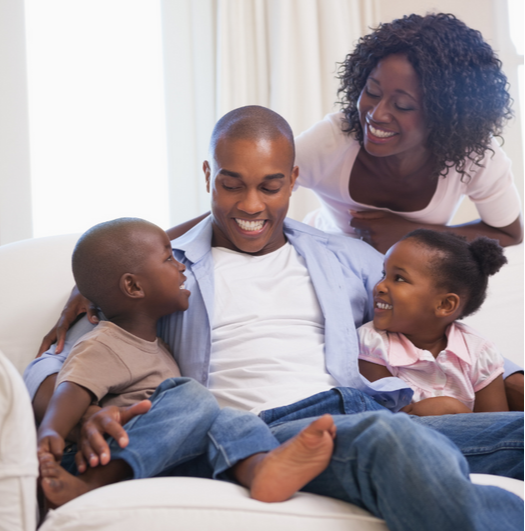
437, 405
93, 448
75, 306
380, 229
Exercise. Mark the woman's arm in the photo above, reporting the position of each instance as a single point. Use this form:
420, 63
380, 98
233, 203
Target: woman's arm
492, 397
382, 229
183, 228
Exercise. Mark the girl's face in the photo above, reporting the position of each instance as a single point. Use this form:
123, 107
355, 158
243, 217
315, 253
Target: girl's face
406, 298
391, 109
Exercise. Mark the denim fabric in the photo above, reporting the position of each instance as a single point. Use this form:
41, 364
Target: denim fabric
492, 443
185, 422
409, 475
336, 401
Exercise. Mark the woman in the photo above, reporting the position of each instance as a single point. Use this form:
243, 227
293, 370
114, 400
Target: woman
421, 100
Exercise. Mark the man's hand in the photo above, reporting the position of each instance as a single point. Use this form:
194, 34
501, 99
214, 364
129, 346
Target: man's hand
93, 448
49, 441
380, 229
75, 306
437, 405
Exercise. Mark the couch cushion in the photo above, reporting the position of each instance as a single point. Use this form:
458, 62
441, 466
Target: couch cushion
35, 283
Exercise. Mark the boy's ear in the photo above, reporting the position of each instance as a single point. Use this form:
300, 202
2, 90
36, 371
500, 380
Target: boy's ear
448, 305
131, 286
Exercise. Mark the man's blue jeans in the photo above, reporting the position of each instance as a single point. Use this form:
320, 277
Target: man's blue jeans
390, 464
405, 470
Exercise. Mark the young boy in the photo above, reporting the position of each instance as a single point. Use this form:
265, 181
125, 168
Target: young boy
126, 267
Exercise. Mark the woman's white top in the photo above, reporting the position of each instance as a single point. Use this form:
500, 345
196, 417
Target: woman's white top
266, 351
325, 156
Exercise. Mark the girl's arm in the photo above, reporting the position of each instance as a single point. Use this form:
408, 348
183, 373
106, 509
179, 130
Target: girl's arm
66, 407
373, 371
492, 397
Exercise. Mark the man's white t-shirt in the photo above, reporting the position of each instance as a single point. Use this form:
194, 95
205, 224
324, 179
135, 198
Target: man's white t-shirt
267, 331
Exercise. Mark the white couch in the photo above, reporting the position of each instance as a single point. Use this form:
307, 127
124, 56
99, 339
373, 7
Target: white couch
34, 284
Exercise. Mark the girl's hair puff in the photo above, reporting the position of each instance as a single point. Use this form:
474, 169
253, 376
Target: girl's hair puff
459, 266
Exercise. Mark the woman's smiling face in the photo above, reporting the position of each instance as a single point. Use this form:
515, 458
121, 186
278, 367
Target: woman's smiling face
391, 110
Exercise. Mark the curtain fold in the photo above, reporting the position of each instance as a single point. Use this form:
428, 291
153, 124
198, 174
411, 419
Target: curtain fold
223, 54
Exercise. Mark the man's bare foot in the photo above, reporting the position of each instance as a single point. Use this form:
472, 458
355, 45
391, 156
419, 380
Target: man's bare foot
59, 486
280, 473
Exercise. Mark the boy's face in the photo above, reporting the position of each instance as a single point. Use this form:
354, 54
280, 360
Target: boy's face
406, 298
251, 182
162, 276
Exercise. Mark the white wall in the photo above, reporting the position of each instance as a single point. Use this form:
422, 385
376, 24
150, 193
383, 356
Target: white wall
488, 16
15, 185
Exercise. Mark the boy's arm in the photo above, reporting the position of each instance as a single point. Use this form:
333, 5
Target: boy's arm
66, 407
492, 397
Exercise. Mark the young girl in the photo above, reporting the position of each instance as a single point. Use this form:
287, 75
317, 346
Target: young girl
430, 280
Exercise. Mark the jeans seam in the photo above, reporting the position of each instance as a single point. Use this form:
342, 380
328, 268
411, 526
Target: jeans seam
221, 449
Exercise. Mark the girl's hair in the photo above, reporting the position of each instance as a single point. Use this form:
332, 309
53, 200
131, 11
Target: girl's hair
459, 266
465, 97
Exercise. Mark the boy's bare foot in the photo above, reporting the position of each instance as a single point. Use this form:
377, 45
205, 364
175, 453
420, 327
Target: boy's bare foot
280, 473
59, 486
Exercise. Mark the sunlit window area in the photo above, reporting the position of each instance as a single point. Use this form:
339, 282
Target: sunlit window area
96, 113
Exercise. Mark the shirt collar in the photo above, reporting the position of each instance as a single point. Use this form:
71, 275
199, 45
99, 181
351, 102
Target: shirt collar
403, 352
195, 244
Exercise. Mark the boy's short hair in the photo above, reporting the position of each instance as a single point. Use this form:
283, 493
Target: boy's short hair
104, 253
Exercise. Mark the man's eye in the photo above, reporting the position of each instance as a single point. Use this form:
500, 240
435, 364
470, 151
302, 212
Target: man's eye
271, 190
230, 187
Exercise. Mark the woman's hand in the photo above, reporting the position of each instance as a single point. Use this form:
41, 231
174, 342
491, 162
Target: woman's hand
380, 229
92, 446
437, 405
75, 306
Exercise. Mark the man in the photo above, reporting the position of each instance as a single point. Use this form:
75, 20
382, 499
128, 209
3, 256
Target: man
271, 329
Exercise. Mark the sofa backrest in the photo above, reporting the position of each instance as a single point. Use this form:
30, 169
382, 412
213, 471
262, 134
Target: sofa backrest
35, 282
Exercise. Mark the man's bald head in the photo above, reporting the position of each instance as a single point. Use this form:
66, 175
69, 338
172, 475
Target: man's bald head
252, 122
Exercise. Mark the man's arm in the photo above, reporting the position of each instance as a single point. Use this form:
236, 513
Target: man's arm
183, 228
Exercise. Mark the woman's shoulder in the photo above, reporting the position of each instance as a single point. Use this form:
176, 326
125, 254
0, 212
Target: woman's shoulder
325, 136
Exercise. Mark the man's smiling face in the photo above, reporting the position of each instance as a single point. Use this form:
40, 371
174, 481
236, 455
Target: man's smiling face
251, 181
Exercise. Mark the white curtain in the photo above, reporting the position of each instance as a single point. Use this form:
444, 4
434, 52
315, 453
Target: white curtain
223, 54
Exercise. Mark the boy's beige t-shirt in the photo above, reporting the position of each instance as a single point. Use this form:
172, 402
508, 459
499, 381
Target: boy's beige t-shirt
116, 366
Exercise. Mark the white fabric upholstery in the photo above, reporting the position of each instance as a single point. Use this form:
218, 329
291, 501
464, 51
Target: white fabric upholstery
35, 282
18, 463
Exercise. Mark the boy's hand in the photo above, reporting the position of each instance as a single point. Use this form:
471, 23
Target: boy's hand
93, 448
49, 441
75, 306
437, 405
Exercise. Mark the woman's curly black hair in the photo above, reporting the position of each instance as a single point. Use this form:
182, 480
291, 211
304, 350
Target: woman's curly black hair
465, 97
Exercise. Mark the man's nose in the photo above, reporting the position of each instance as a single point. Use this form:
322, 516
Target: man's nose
251, 202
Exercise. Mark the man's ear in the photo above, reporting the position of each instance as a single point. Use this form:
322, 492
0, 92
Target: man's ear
207, 173
294, 175
131, 287
448, 305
